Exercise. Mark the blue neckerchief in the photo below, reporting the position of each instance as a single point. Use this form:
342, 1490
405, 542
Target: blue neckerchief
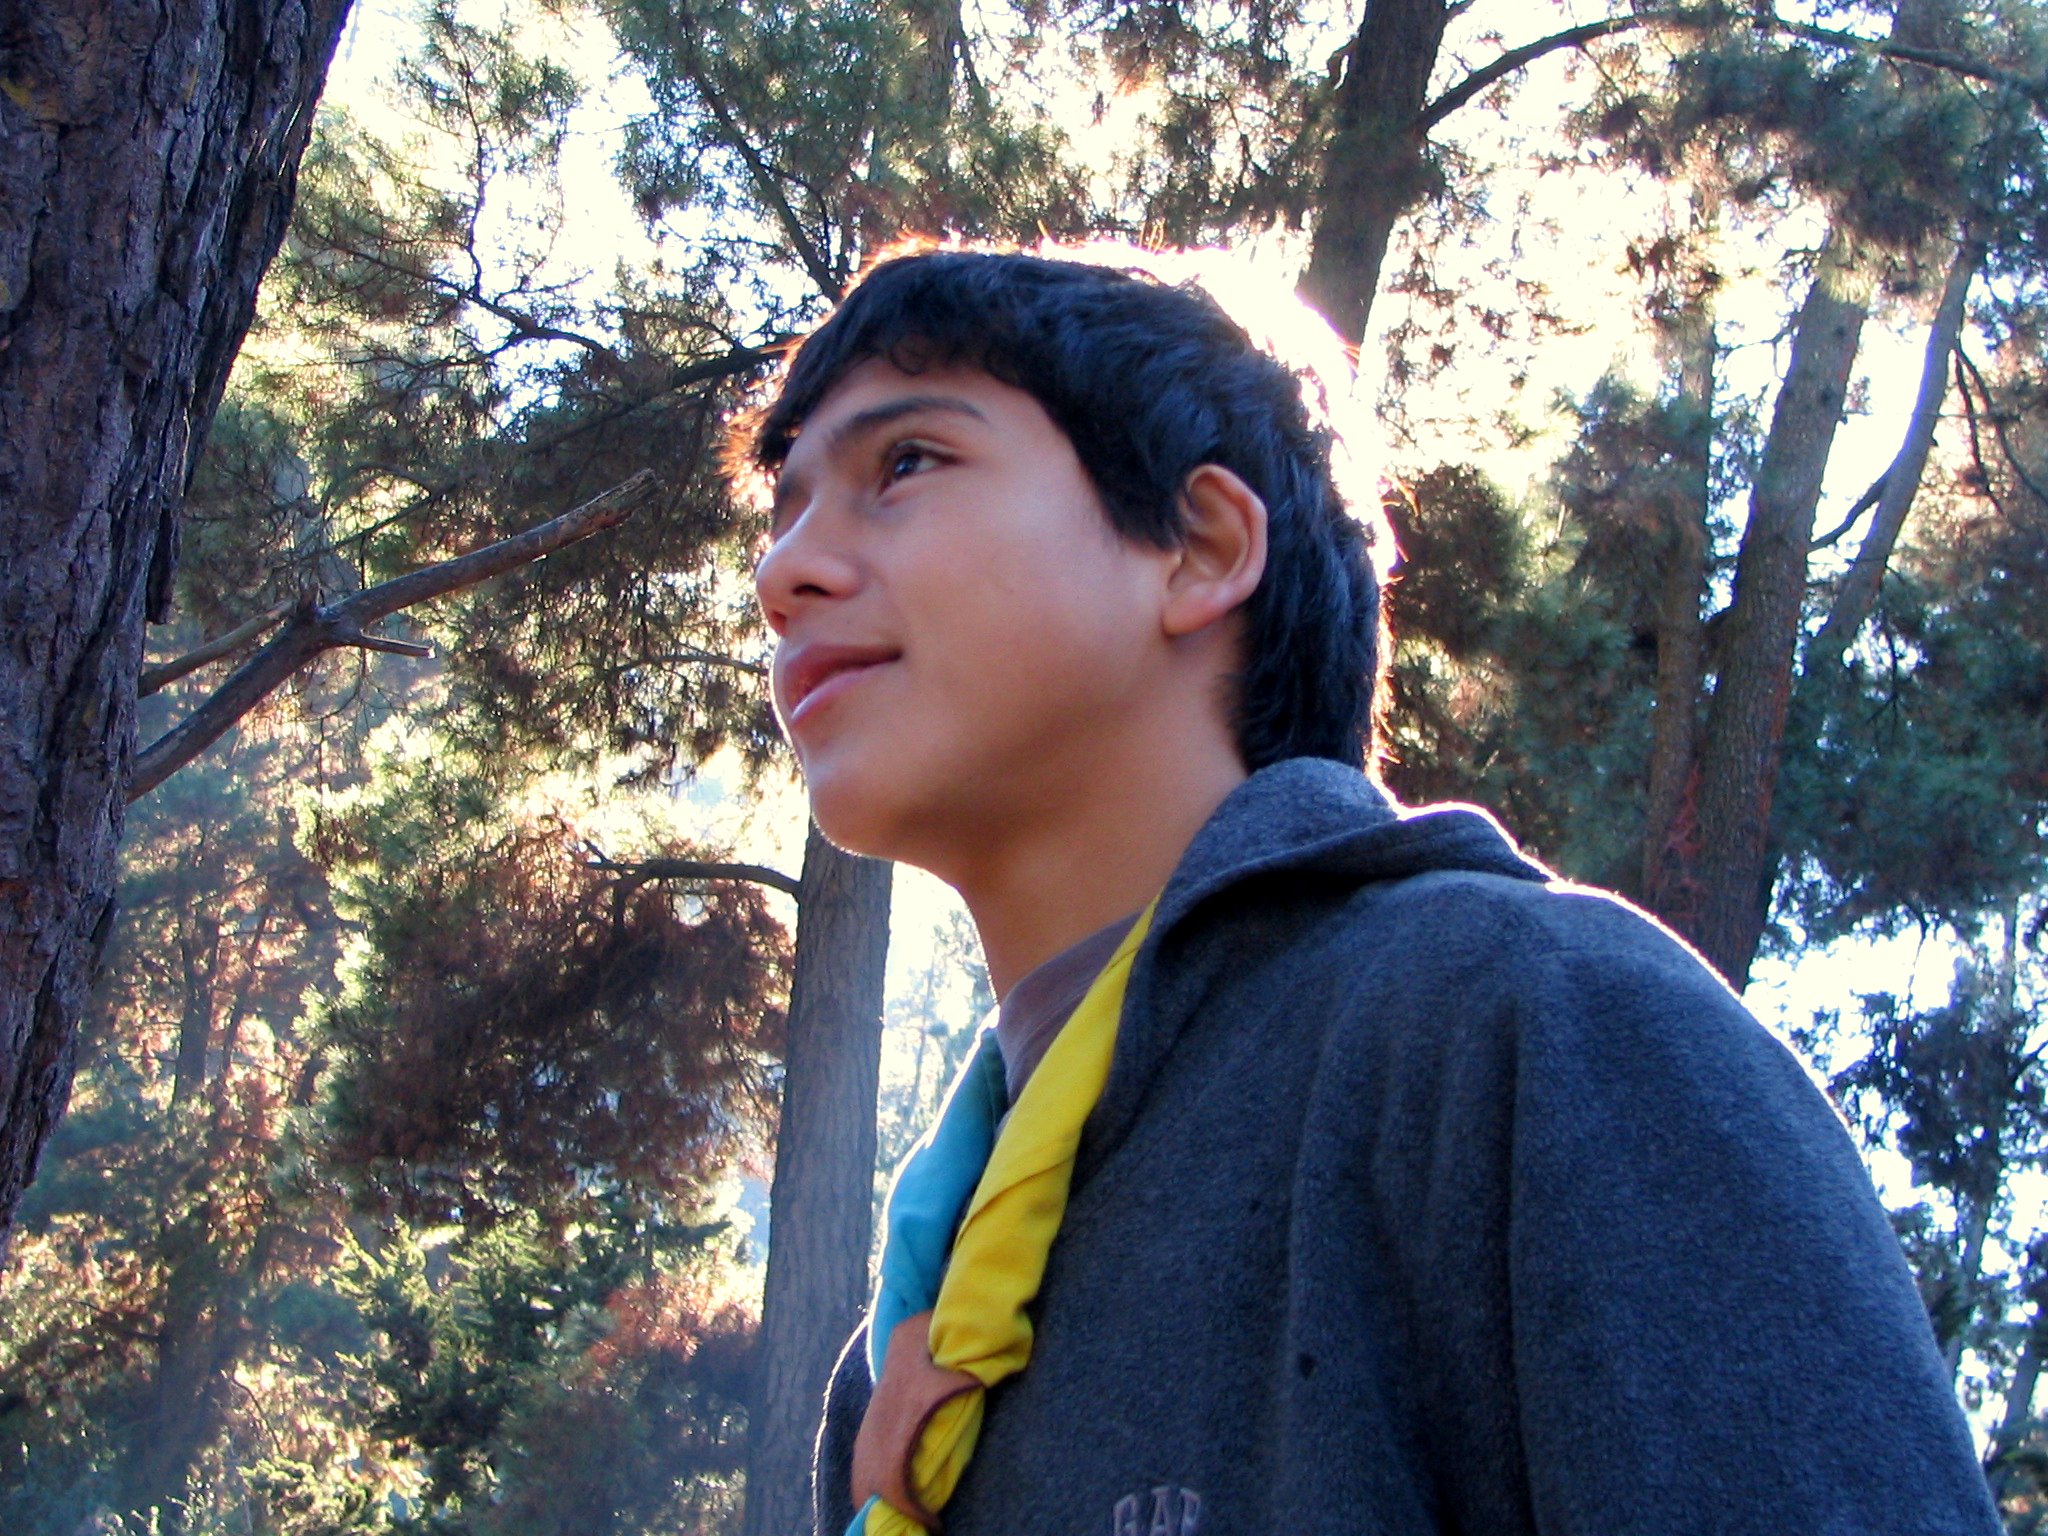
931, 1194
929, 1198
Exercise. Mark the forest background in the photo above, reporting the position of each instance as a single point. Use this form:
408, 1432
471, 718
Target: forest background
476, 988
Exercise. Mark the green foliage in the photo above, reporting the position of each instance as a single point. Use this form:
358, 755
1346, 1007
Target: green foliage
197, 1333
448, 376
1239, 116
547, 1384
1519, 678
1884, 154
1925, 800
916, 142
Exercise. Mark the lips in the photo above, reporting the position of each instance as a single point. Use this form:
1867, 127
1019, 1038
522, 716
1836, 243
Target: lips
811, 671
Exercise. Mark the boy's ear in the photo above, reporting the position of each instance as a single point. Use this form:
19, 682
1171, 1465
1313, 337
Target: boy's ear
1222, 553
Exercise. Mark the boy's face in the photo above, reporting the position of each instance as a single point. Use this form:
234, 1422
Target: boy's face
962, 632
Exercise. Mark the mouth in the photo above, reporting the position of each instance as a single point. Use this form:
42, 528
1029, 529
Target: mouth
818, 673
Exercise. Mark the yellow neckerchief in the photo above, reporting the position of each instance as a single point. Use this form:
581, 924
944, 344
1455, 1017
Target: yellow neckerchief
979, 1324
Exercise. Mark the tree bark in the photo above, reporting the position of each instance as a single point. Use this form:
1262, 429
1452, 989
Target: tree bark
1374, 169
819, 1210
148, 160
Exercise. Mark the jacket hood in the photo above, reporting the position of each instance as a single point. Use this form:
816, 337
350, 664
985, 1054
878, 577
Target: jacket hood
1306, 817
1312, 816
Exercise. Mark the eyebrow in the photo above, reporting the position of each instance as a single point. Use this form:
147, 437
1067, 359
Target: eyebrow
862, 422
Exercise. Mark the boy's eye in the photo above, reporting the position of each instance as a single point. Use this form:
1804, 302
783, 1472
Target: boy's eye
904, 460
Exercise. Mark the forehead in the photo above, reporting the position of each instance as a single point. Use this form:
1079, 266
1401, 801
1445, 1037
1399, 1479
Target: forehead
877, 392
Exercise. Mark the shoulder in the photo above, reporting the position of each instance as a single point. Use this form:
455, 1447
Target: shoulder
1506, 938
1460, 971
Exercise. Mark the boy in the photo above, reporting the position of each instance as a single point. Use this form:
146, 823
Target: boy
1330, 1167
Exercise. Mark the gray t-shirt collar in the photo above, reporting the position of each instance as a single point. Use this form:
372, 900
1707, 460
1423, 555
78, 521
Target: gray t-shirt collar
1040, 1004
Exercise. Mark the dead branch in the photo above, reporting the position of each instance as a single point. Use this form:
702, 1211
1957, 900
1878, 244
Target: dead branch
1854, 515
164, 673
689, 655
313, 628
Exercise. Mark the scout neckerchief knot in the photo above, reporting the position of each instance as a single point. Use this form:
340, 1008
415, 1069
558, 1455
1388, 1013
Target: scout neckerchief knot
945, 1328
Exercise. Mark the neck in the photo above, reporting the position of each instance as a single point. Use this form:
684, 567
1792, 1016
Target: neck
1097, 856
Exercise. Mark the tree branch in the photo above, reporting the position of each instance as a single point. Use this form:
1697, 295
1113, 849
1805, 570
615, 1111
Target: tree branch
690, 869
387, 644
1850, 518
164, 673
2012, 460
1857, 595
1519, 58
313, 629
2035, 91
1701, 18
765, 181
688, 655
524, 326
1976, 436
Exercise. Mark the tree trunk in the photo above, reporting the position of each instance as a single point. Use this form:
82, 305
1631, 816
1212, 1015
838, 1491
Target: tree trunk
199, 962
184, 1405
2018, 1418
819, 1208
208, 1293
1959, 1304
1670, 826
1726, 899
149, 162
1374, 169
1722, 901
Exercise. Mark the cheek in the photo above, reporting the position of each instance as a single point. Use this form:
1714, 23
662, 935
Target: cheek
1023, 661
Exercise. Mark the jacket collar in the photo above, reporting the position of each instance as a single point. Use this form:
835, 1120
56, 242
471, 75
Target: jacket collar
1305, 816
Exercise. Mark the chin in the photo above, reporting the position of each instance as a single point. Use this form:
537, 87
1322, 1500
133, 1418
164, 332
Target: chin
883, 815
853, 816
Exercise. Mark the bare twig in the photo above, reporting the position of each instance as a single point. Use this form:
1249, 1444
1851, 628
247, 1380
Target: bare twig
524, 326
1984, 480
164, 673
313, 629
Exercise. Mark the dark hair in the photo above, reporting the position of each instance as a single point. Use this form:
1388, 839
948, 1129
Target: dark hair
1149, 381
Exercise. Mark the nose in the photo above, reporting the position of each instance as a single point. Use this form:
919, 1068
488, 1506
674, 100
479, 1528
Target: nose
807, 564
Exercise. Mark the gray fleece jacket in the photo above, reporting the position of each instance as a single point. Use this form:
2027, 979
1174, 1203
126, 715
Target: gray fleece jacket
1428, 1195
